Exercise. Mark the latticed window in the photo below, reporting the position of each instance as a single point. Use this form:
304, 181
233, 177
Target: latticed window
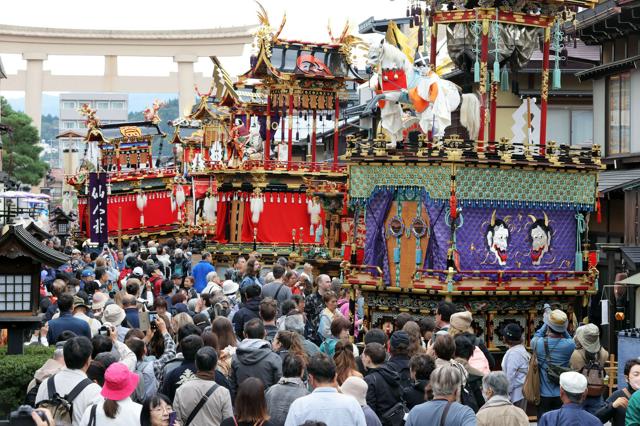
15, 293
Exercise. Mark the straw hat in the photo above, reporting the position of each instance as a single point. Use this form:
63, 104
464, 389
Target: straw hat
557, 321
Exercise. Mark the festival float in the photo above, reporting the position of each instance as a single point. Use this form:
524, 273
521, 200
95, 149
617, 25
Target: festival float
444, 208
122, 192
261, 176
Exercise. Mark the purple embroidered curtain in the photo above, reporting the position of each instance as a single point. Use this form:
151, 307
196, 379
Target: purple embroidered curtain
375, 252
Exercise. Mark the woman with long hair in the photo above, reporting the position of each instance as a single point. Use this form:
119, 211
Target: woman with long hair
210, 339
227, 343
117, 408
156, 339
250, 406
156, 411
289, 342
250, 276
415, 338
345, 362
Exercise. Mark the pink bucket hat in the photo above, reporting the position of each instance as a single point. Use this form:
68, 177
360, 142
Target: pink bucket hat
119, 382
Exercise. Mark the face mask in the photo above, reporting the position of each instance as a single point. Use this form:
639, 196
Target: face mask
635, 382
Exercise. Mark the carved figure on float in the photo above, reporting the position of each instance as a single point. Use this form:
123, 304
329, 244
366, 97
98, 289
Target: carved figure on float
236, 146
255, 145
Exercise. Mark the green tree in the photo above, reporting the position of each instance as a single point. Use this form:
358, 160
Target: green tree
21, 157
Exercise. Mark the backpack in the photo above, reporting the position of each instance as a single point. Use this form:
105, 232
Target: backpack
395, 415
177, 270
594, 373
531, 387
61, 407
30, 398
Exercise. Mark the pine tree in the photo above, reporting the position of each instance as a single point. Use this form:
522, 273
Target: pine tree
21, 156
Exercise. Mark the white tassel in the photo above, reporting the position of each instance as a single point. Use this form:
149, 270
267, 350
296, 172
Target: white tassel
470, 114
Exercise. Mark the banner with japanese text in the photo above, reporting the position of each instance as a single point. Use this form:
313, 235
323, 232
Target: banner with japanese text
98, 228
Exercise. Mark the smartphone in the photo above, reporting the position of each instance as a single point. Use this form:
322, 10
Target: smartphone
153, 316
172, 418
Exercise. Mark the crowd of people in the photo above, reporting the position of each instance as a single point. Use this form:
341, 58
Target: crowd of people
143, 336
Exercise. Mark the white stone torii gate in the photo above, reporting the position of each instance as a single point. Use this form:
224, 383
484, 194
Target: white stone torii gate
184, 46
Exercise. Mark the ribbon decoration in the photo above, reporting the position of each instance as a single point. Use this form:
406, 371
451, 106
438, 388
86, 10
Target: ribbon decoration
557, 44
476, 29
580, 228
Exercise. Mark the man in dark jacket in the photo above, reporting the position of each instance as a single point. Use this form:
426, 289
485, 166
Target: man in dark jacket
384, 390
399, 361
254, 358
190, 346
130, 305
421, 367
375, 335
249, 310
66, 321
313, 306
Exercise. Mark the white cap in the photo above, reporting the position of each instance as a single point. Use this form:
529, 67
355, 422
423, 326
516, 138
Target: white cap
573, 382
357, 388
138, 271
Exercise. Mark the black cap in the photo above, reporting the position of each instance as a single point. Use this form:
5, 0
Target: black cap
399, 338
512, 332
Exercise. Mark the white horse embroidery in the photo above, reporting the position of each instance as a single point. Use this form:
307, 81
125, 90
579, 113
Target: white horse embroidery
432, 98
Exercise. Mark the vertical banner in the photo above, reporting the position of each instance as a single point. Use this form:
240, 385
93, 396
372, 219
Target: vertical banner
98, 208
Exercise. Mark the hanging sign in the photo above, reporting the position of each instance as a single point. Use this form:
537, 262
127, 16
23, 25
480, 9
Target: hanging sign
98, 208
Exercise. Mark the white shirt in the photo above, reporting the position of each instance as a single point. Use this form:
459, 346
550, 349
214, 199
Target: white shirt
65, 381
128, 414
326, 405
94, 324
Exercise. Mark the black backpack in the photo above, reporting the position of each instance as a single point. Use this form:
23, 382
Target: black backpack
61, 407
30, 398
395, 415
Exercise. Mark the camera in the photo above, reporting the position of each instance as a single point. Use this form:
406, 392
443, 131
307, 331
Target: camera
104, 331
22, 416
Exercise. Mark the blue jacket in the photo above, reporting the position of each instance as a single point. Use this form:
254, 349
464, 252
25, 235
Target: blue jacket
200, 272
66, 321
132, 317
560, 350
569, 415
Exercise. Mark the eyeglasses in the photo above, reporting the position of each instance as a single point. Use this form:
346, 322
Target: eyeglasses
162, 409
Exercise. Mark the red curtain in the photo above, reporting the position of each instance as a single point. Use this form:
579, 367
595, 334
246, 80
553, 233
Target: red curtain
201, 186
82, 215
282, 212
157, 212
221, 218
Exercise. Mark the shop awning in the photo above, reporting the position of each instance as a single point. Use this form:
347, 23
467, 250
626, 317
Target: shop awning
631, 256
618, 179
632, 280
604, 70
